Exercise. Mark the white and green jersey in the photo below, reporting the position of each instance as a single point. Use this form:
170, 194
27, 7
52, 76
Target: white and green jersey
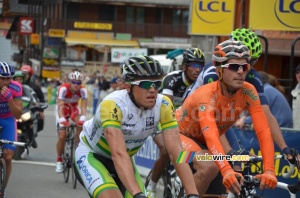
118, 111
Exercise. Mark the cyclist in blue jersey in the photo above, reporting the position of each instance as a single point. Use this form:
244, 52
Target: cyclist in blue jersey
251, 40
10, 109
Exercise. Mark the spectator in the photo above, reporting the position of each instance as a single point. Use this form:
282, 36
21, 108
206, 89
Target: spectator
95, 97
278, 104
274, 82
121, 83
103, 86
113, 85
296, 100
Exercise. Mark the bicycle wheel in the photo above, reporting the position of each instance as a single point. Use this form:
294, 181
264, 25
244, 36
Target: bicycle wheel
2, 177
66, 161
74, 180
160, 188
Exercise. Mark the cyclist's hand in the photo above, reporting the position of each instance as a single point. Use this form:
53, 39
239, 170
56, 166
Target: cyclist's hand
63, 122
267, 180
139, 195
292, 156
6, 93
231, 182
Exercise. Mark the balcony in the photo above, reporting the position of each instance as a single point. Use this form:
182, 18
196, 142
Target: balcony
137, 30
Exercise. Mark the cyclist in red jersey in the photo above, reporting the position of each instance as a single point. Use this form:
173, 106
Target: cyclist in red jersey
213, 108
67, 107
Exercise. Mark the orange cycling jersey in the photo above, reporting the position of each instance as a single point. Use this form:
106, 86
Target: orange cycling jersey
206, 114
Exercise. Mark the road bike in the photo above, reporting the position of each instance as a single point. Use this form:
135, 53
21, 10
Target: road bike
251, 183
3, 164
168, 185
68, 155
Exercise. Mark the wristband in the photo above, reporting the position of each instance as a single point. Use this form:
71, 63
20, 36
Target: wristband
192, 196
62, 119
82, 118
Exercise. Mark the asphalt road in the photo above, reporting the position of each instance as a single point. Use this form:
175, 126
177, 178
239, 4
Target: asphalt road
35, 177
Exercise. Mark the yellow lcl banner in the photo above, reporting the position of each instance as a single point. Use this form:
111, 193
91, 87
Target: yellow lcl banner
275, 15
211, 17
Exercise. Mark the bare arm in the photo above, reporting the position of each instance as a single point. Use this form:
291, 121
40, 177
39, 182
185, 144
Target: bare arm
225, 143
275, 129
60, 105
173, 146
121, 159
15, 107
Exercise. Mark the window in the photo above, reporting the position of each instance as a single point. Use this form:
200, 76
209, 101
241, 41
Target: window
140, 17
107, 13
129, 15
135, 15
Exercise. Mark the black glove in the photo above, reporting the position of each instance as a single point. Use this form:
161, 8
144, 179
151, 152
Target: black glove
192, 196
139, 195
291, 151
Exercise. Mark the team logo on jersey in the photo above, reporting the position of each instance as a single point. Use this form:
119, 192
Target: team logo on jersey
149, 121
165, 102
129, 116
171, 83
114, 114
202, 108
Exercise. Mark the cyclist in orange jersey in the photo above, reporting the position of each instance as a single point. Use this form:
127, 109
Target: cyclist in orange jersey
213, 108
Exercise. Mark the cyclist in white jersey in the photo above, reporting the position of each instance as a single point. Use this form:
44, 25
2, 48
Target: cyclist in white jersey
122, 123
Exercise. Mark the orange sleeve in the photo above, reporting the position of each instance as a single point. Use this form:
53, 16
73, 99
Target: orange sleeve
211, 134
262, 130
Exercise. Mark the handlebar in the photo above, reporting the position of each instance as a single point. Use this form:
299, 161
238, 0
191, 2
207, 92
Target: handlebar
285, 175
2, 141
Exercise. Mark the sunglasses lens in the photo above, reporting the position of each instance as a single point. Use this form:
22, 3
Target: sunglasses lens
76, 83
149, 84
196, 65
236, 67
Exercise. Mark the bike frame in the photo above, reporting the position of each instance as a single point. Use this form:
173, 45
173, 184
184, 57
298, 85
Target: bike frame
253, 182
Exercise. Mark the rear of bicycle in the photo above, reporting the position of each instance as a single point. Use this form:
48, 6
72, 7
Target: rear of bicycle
68, 155
3, 164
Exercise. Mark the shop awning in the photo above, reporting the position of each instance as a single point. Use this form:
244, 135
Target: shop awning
161, 45
95, 42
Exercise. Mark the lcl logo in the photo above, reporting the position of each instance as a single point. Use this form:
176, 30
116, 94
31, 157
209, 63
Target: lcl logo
206, 9
288, 12
26, 25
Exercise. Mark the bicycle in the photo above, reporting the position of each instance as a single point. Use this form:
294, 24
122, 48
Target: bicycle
3, 164
250, 182
68, 155
169, 184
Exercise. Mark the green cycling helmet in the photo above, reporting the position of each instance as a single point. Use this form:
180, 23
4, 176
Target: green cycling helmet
248, 38
19, 74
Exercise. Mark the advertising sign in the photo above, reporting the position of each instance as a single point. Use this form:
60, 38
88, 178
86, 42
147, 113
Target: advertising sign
26, 25
118, 55
210, 17
281, 15
57, 33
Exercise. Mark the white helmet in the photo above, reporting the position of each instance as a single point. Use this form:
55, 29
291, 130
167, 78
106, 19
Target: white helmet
76, 76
